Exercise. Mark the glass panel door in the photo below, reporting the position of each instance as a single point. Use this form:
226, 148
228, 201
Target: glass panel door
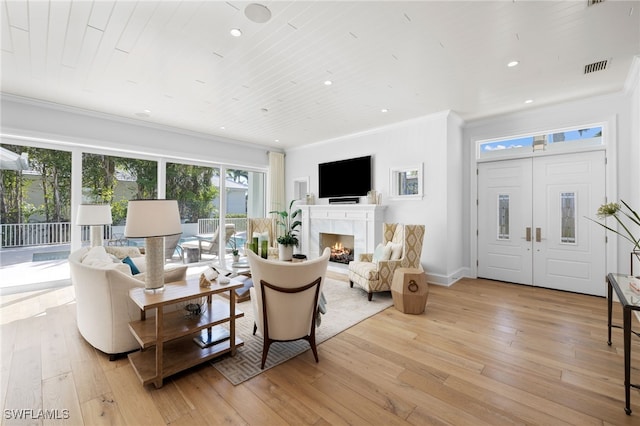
35, 200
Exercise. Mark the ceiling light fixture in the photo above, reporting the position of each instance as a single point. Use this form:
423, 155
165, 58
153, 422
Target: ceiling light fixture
145, 113
257, 13
528, 101
513, 64
384, 110
235, 32
328, 82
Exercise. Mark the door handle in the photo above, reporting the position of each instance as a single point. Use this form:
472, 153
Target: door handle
538, 235
528, 233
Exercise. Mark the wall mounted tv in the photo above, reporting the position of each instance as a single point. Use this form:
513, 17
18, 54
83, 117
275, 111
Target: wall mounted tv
345, 178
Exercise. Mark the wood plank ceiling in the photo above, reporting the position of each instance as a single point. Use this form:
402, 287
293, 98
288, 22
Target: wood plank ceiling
175, 63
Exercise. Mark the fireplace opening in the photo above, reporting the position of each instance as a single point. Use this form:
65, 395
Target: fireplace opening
341, 247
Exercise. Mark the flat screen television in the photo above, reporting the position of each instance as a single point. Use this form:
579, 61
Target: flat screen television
345, 178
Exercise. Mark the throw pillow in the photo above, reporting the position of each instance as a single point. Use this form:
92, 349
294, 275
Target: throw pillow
382, 252
396, 250
134, 268
96, 253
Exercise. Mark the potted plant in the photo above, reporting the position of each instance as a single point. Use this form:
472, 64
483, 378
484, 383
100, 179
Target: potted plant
234, 248
289, 238
628, 220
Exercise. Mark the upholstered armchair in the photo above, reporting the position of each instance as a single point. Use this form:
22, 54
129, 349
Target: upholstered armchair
263, 226
285, 299
401, 248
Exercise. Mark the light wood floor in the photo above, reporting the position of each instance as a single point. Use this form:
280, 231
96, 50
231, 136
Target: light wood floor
484, 353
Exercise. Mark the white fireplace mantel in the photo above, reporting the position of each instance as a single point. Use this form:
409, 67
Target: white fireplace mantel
363, 221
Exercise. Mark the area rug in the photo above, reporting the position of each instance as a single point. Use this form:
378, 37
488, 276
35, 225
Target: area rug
345, 308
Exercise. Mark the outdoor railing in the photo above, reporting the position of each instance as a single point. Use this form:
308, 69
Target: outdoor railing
40, 234
209, 225
49, 233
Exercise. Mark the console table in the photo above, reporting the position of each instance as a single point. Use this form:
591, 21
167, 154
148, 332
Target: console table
620, 283
181, 341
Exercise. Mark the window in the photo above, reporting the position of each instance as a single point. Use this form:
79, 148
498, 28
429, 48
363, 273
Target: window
557, 140
568, 217
503, 217
114, 180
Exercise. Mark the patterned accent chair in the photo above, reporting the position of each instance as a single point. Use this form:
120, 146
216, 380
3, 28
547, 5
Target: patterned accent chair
262, 225
374, 276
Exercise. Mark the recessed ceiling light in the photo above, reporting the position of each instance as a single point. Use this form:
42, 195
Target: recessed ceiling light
528, 101
328, 82
384, 110
235, 32
257, 13
513, 64
221, 127
145, 113
277, 140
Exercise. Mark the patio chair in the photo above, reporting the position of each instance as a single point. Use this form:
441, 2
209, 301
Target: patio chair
208, 244
171, 246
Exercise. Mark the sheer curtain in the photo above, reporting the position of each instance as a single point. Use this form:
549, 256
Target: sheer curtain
276, 196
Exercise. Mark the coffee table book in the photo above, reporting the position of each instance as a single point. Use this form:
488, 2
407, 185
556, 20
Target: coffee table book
167, 340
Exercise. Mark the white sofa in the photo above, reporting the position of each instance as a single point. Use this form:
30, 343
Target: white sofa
102, 283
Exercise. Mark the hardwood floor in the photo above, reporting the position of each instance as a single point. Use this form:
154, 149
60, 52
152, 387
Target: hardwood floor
483, 353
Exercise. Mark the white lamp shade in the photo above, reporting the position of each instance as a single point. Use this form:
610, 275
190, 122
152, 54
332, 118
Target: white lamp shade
152, 218
94, 214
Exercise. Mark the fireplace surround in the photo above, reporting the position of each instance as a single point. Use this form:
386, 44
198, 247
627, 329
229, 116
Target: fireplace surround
362, 221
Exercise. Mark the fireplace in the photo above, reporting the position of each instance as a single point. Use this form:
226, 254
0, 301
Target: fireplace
341, 247
362, 221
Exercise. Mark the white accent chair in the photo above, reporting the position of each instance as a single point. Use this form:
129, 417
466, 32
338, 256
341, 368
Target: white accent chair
285, 299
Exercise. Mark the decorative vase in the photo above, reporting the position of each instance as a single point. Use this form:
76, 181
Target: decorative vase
285, 252
236, 258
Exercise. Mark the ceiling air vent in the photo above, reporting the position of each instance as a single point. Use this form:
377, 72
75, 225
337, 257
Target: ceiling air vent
594, 2
596, 66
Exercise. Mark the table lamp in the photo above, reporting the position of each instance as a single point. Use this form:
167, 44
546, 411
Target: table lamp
95, 216
153, 220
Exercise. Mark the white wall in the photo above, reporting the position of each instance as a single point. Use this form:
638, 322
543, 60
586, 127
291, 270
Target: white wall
436, 142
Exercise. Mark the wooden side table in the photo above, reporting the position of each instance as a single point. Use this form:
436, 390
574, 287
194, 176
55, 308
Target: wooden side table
409, 290
172, 341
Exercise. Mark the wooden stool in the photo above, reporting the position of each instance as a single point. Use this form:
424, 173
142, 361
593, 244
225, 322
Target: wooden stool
409, 290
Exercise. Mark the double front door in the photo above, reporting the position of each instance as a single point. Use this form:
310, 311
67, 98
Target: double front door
531, 221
